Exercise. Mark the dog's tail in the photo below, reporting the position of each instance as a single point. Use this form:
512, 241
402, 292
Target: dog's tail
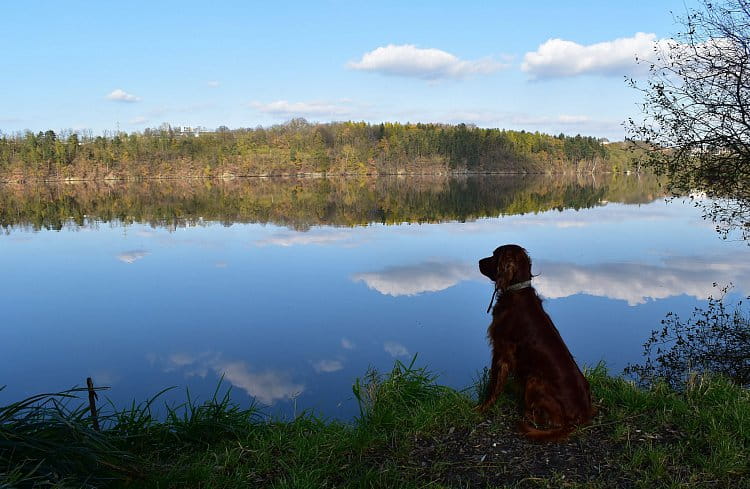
554, 434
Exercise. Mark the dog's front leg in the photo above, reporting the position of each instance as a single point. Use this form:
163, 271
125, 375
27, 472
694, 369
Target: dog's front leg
498, 377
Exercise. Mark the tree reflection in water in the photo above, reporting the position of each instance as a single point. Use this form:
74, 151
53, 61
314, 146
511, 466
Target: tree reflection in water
300, 203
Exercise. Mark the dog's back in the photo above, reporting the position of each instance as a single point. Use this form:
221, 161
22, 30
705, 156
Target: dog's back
540, 352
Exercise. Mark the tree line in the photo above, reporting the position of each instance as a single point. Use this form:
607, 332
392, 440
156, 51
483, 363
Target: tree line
298, 147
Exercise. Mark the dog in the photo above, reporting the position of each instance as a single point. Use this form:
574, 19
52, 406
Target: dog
526, 344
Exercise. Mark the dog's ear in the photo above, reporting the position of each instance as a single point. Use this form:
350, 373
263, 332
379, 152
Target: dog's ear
506, 270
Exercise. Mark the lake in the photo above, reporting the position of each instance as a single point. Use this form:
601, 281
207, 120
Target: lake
289, 289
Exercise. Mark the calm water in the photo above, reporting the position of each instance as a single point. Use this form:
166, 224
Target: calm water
292, 288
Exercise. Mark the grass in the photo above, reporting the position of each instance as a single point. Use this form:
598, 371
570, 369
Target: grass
698, 437
411, 433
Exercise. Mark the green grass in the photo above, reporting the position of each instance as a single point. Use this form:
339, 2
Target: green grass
697, 437
657, 437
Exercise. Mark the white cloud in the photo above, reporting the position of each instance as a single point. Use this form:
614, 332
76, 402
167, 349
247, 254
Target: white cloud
213, 83
327, 366
120, 95
138, 120
637, 282
429, 64
303, 109
347, 344
132, 256
558, 58
429, 276
267, 386
395, 349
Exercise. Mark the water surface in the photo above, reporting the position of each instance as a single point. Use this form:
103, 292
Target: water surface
290, 289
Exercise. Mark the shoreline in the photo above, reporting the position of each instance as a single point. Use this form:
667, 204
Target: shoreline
412, 432
305, 175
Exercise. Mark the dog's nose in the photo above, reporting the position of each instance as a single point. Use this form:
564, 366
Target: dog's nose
487, 268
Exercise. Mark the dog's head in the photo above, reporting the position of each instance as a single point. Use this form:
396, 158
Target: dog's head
508, 265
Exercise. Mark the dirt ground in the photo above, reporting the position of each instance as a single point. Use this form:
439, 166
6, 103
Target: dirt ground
493, 454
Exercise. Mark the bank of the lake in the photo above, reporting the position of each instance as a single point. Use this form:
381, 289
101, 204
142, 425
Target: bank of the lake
412, 432
117, 178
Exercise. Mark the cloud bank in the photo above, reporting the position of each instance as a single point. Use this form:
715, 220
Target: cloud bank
428, 64
558, 58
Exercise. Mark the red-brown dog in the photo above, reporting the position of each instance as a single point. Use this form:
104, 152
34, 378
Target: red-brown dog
526, 344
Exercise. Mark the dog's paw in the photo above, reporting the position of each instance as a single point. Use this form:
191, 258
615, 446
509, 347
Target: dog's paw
483, 407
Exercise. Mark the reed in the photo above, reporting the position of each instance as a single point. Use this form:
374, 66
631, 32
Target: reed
49, 438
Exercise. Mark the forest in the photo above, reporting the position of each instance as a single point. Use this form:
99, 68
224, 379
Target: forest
299, 147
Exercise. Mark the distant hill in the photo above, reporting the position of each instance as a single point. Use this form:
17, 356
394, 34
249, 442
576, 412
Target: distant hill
299, 147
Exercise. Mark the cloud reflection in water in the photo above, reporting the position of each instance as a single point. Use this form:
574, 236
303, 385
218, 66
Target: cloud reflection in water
638, 282
429, 276
312, 237
395, 349
132, 256
267, 386
328, 366
634, 283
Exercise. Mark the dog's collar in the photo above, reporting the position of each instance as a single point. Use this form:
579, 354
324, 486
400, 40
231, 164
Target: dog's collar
510, 288
518, 286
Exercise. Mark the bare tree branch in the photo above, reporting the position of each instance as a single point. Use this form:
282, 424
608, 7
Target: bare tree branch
696, 126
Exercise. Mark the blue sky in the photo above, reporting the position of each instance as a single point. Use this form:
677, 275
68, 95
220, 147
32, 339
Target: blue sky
549, 66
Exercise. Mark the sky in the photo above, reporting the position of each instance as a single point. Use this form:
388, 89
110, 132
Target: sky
545, 66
